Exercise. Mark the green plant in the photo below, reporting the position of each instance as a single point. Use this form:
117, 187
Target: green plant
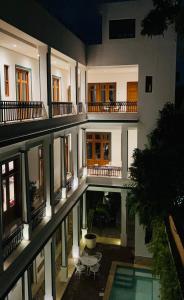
163, 264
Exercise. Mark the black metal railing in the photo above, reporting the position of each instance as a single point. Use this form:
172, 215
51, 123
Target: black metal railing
105, 107
11, 111
62, 108
69, 184
12, 241
37, 215
104, 171
80, 108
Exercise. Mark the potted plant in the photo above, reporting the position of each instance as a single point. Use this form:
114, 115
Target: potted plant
90, 240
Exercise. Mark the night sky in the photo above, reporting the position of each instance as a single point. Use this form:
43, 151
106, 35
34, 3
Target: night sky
80, 16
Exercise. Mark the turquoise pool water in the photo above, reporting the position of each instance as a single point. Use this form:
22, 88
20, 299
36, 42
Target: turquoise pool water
134, 284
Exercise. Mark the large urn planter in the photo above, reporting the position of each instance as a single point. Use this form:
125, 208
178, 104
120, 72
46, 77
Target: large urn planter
90, 239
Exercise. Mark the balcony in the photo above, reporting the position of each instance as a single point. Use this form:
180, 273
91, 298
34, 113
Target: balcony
12, 241
62, 108
104, 171
113, 107
37, 215
13, 111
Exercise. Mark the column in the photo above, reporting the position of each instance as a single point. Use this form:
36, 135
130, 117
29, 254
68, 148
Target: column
123, 218
73, 83
1, 230
74, 149
49, 175
26, 282
64, 255
25, 195
75, 247
50, 284
83, 87
63, 167
86, 90
84, 152
76, 81
44, 58
124, 152
84, 216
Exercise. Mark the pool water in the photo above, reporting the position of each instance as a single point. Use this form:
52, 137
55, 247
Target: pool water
134, 284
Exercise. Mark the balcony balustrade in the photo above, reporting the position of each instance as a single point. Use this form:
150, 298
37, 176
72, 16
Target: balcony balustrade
37, 215
12, 241
12, 111
80, 108
62, 108
109, 171
116, 107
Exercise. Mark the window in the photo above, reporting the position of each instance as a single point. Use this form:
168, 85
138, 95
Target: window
122, 29
10, 183
6, 80
22, 84
98, 148
148, 87
102, 92
36, 176
55, 89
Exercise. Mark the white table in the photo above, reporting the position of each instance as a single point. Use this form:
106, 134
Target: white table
88, 260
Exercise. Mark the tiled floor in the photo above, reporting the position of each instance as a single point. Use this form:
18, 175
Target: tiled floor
86, 288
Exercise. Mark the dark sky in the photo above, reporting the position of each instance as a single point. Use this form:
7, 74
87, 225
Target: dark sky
80, 16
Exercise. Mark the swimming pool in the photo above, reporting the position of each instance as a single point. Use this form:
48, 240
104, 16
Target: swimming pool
131, 283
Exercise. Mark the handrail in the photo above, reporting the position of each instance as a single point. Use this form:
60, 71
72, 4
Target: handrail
62, 108
21, 110
104, 171
105, 107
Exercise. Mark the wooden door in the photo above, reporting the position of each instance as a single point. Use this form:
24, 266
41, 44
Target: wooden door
98, 148
22, 84
132, 95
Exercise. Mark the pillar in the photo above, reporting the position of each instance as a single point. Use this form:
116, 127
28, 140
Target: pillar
74, 149
64, 255
75, 247
26, 282
73, 83
86, 90
63, 167
50, 284
123, 218
43, 69
84, 165
49, 86
49, 175
76, 83
84, 216
25, 196
124, 152
83, 87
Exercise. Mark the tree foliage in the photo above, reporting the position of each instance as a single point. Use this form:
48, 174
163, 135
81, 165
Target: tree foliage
158, 170
163, 14
163, 264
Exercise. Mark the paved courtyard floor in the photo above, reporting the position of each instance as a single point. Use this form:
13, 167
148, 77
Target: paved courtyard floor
86, 288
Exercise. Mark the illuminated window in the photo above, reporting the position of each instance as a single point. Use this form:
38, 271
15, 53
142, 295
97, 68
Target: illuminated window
55, 89
10, 183
22, 84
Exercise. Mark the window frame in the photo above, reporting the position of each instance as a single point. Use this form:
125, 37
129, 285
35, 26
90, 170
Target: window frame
28, 72
6, 81
58, 87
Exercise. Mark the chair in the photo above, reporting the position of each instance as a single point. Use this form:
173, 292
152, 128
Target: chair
79, 269
94, 269
98, 255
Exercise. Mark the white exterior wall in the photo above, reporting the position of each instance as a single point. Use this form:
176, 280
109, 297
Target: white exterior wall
12, 58
64, 76
119, 76
155, 57
16, 292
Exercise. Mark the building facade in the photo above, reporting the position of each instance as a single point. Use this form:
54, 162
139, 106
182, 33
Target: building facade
70, 118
